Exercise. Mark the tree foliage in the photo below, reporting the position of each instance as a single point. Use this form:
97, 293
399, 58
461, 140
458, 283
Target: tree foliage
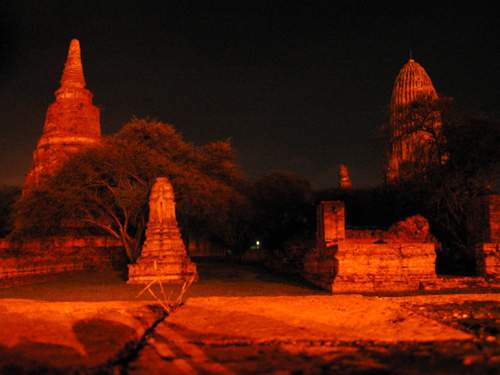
449, 192
107, 187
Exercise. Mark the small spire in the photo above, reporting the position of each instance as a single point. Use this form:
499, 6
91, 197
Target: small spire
344, 179
410, 54
73, 70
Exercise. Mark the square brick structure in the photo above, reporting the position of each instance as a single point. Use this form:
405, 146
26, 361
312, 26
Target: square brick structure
400, 259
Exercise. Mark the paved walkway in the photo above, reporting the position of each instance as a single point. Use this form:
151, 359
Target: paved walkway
316, 334
241, 319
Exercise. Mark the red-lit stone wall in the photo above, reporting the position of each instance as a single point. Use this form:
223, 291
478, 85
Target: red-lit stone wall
488, 256
493, 214
488, 252
401, 258
331, 223
21, 261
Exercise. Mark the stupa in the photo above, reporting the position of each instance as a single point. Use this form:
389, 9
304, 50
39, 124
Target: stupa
344, 179
412, 85
163, 255
71, 123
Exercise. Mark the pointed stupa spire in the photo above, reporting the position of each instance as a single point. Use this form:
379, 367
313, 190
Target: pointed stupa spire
344, 179
72, 122
73, 70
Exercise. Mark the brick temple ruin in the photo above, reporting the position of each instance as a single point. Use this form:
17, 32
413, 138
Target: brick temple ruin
402, 258
72, 122
342, 259
408, 145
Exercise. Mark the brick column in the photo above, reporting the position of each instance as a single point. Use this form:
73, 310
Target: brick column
330, 223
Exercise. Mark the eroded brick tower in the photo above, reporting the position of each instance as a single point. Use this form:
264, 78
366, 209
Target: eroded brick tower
411, 133
71, 123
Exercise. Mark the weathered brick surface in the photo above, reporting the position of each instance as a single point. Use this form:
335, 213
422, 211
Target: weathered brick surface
412, 229
383, 267
320, 267
163, 254
72, 122
493, 216
330, 223
364, 267
23, 260
488, 255
410, 146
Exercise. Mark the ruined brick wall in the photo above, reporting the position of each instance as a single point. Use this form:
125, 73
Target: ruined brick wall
369, 267
400, 258
320, 267
20, 260
488, 260
366, 267
487, 252
493, 216
330, 223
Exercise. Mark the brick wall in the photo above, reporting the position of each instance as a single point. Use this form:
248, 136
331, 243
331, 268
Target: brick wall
401, 258
493, 215
330, 223
367, 267
384, 267
23, 260
488, 261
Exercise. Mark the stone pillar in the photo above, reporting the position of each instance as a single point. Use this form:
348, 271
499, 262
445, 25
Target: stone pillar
163, 255
330, 223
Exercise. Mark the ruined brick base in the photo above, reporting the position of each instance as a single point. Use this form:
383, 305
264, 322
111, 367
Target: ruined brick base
368, 267
351, 267
170, 269
488, 259
23, 262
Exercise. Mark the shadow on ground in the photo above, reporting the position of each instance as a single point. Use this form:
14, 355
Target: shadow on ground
102, 341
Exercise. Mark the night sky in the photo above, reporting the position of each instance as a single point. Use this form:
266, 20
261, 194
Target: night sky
297, 87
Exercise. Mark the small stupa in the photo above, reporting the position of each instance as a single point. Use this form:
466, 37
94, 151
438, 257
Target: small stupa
163, 255
344, 179
71, 122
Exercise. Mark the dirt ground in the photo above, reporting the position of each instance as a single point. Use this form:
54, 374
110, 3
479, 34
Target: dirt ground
242, 320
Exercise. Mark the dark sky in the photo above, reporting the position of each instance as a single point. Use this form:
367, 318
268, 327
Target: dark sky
297, 86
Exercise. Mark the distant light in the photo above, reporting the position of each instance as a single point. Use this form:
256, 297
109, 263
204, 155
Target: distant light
257, 243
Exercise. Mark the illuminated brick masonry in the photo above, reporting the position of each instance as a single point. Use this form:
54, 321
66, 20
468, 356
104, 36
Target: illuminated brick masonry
71, 122
163, 255
488, 252
408, 145
401, 258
